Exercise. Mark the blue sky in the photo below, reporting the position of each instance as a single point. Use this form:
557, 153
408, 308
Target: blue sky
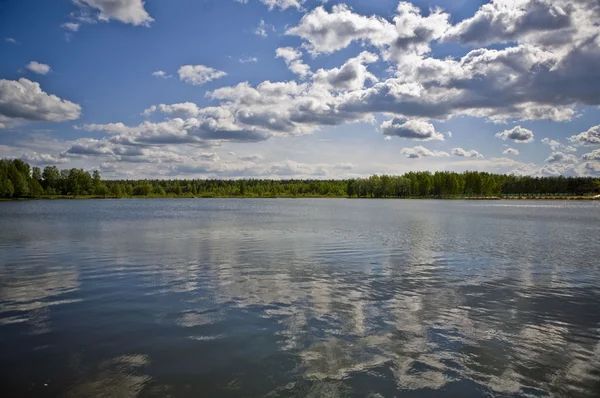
293, 88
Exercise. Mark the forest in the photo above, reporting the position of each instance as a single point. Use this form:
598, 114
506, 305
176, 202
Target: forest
19, 180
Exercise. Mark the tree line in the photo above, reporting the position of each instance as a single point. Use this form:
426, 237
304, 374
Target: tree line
19, 180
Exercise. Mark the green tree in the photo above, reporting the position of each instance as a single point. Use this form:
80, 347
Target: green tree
144, 188
36, 174
158, 190
6, 188
35, 188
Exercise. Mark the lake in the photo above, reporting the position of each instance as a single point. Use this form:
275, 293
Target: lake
299, 298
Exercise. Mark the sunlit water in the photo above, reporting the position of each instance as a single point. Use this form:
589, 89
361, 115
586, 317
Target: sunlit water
307, 298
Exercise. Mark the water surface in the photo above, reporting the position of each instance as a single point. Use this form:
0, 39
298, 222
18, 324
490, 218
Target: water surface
306, 298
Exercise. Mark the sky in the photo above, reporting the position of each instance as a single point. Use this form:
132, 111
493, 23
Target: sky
301, 88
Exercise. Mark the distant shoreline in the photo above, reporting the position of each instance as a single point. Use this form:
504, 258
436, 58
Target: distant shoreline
511, 198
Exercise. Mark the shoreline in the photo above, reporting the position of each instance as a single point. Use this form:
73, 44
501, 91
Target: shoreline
523, 198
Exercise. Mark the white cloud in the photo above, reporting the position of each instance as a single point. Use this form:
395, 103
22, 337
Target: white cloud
289, 54
351, 76
292, 59
560, 157
24, 100
328, 32
126, 11
248, 60
590, 169
589, 137
11, 40
162, 74
188, 109
556, 24
410, 33
109, 128
517, 134
37, 67
283, 4
420, 151
71, 26
594, 155
511, 151
283, 169
467, 154
199, 74
263, 29
209, 156
43, 159
503, 21
252, 158
412, 129
554, 145
556, 169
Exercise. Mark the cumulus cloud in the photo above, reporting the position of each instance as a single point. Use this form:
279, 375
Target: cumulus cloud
467, 154
161, 74
283, 4
263, 29
109, 127
202, 131
351, 76
560, 157
126, 11
70, 26
89, 146
112, 151
503, 21
517, 134
542, 83
476, 85
412, 129
10, 40
289, 54
590, 169
43, 159
38, 68
420, 152
556, 169
594, 155
24, 100
552, 143
590, 137
199, 74
510, 151
555, 145
328, 32
188, 109
410, 33
292, 56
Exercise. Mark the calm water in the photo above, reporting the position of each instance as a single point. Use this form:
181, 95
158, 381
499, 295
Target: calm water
307, 298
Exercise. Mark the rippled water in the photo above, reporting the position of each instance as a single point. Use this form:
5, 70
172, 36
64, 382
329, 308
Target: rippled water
307, 298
